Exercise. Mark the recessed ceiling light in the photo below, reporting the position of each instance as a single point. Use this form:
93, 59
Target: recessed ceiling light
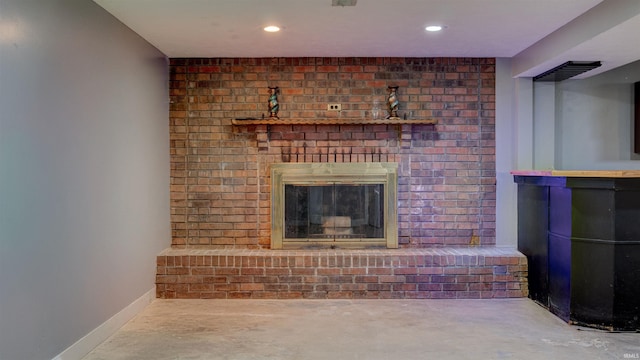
271, 28
433, 28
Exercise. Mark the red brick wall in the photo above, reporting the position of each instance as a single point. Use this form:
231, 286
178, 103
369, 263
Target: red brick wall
220, 172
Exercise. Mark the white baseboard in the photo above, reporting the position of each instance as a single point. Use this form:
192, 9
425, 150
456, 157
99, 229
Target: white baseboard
98, 335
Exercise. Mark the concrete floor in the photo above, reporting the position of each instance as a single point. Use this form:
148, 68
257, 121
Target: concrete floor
358, 329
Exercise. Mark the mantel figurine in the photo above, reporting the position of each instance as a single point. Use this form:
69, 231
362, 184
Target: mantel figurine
393, 102
274, 107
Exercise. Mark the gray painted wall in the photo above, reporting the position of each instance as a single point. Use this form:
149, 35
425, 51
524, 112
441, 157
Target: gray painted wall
84, 172
594, 121
506, 155
544, 118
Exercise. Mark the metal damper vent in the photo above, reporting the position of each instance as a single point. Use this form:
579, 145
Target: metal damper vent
567, 70
344, 2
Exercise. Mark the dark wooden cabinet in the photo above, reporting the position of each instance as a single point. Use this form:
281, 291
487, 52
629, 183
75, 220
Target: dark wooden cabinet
581, 236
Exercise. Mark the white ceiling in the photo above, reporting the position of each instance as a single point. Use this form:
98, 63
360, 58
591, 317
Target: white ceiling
538, 34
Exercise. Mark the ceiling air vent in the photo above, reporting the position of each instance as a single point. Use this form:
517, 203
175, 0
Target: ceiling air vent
567, 70
344, 2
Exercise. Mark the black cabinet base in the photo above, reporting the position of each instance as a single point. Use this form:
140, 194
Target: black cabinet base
582, 240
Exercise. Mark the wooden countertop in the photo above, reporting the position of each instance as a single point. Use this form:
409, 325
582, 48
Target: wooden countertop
580, 173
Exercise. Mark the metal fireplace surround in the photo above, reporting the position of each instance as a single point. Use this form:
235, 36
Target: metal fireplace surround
334, 205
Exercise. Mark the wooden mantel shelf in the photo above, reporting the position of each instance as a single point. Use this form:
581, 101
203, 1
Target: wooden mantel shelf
346, 121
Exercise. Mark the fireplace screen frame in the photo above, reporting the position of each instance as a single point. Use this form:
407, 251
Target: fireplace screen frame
323, 174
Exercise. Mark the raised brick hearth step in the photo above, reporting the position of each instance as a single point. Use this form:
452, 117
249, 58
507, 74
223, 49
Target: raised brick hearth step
469, 273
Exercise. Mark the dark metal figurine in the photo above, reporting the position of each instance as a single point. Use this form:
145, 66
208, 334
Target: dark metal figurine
274, 107
393, 102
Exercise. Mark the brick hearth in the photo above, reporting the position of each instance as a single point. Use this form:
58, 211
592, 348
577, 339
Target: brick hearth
321, 274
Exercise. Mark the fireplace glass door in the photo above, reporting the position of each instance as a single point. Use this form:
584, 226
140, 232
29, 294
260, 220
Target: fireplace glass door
334, 205
334, 212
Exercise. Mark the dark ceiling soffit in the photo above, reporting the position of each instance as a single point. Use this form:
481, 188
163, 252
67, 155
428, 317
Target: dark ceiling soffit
567, 70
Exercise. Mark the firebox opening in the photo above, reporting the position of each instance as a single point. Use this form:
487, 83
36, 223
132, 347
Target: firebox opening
334, 212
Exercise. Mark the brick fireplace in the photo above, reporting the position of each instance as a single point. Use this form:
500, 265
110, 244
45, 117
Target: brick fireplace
220, 180
445, 154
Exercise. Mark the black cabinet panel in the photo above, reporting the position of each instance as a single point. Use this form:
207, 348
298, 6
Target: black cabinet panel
559, 275
627, 218
592, 287
533, 215
626, 305
593, 213
560, 211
